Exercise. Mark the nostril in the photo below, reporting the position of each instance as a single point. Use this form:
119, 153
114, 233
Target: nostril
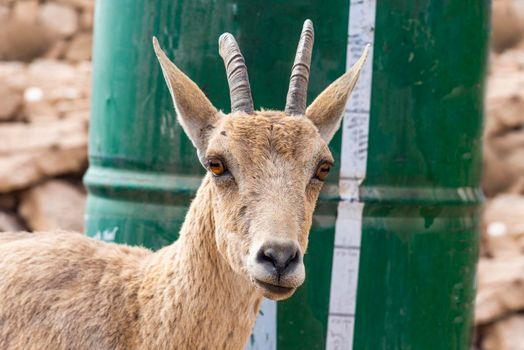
293, 258
279, 256
267, 255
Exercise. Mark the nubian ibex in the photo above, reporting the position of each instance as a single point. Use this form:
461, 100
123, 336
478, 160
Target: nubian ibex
243, 238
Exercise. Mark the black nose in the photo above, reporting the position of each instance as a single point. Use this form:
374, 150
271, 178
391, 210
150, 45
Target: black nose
281, 257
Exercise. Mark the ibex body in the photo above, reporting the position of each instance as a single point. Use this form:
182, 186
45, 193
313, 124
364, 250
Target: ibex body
244, 236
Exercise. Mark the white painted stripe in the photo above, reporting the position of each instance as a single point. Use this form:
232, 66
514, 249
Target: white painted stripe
348, 229
264, 336
356, 118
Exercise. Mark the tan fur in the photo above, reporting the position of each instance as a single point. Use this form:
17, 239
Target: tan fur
327, 108
66, 291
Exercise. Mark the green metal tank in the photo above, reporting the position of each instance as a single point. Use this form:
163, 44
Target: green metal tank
394, 243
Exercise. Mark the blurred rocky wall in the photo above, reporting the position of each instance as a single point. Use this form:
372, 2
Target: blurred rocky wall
45, 73
500, 297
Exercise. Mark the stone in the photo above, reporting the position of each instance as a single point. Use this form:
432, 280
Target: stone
504, 126
59, 80
10, 102
9, 222
51, 71
5, 13
57, 51
503, 226
505, 63
13, 75
36, 108
53, 205
21, 41
49, 149
61, 19
8, 201
77, 105
507, 23
26, 11
80, 48
507, 334
80, 115
43, 90
87, 5
500, 284
86, 20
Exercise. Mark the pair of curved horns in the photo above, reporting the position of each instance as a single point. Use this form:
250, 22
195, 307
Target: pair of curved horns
239, 88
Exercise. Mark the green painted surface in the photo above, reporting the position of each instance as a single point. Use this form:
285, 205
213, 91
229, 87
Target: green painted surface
137, 150
420, 230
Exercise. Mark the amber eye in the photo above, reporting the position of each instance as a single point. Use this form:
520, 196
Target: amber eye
216, 166
322, 171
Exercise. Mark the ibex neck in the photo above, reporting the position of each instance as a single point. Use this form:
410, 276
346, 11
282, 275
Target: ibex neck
193, 293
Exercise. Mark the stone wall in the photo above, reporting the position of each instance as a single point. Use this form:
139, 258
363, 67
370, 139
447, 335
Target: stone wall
45, 51
45, 72
500, 298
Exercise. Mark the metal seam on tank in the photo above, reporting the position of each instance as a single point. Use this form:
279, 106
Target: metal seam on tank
421, 195
100, 179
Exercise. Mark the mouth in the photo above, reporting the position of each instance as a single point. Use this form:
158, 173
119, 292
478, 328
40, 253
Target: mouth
274, 288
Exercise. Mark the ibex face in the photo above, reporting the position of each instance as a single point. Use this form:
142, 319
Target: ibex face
266, 168
273, 171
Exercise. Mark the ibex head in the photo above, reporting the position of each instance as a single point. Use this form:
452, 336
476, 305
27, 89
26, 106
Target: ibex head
266, 167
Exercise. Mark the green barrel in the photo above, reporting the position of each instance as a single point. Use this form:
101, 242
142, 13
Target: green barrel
420, 193
394, 242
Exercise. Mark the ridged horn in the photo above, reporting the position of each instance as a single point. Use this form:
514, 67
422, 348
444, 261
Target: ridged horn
297, 94
237, 78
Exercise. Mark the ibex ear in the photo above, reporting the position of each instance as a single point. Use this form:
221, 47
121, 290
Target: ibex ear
195, 113
328, 108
